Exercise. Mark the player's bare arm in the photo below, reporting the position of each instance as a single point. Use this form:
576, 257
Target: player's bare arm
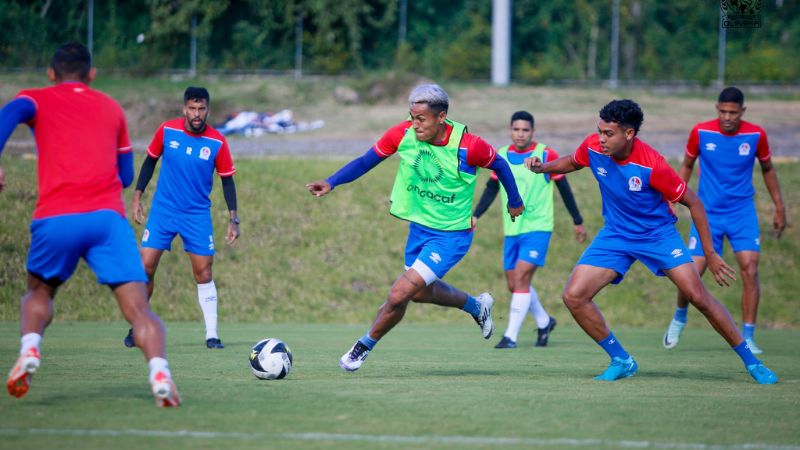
137, 209
771, 181
685, 171
318, 188
719, 268
563, 164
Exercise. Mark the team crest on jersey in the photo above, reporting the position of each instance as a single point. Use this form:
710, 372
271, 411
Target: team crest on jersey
427, 167
744, 149
174, 144
145, 235
602, 171
205, 153
634, 184
710, 146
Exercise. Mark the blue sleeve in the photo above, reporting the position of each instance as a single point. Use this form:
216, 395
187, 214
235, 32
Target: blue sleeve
14, 113
500, 167
125, 165
355, 168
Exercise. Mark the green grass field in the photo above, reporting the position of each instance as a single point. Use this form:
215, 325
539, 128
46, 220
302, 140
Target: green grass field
425, 386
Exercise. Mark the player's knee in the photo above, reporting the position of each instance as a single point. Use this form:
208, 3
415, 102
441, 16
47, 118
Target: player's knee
573, 299
698, 296
749, 270
203, 275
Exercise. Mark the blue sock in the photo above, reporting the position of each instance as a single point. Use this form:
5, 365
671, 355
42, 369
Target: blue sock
748, 329
612, 346
368, 341
680, 314
744, 352
472, 306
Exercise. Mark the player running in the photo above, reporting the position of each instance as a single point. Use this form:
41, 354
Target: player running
528, 237
636, 184
84, 161
192, 150
727, 148
433, 190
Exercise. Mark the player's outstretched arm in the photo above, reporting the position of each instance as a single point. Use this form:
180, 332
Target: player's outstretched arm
774, 188
719, 268
12, 114
564, 164
350, 172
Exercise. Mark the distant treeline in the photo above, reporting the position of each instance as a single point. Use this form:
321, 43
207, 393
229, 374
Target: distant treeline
451, 39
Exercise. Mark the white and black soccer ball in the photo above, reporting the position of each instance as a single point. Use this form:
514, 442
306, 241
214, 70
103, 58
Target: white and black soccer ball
270, 359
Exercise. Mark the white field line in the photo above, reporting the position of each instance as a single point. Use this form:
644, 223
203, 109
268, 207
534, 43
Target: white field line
387, 439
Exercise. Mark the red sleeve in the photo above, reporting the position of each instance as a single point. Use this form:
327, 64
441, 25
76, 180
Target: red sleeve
123, 140
581, 155
479, 152
552, 155
666, 181
388, 143
693, 144
224, 162
156, 146
763, 152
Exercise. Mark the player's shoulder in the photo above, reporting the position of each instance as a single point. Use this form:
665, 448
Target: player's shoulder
173, 124
644, 154
213, 133
750, 127
708, 125
592, 142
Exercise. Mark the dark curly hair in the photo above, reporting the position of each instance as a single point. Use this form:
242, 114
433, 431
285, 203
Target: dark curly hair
625, 112
71, 60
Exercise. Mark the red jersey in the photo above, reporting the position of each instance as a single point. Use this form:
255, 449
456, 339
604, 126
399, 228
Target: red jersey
79, 132
479, 152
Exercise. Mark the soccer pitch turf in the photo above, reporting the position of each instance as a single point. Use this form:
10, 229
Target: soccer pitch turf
424, 386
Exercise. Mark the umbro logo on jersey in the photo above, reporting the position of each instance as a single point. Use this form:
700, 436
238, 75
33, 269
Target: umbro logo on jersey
677, 253
744, 149
435, 258
710, 146
634, 184
602, 171
205, 153
174, 144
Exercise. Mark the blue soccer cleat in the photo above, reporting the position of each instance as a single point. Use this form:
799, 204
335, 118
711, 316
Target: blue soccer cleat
543, 334
618, 369
214, 343
762, 374
506, 343
129, 341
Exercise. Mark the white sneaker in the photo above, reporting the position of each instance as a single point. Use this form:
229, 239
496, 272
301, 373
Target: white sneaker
354, 358
484, 319
753, 347
673, 334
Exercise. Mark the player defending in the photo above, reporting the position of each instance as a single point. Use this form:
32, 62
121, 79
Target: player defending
527, 238
192, 149
727, 148
433, 190
636, 184
84, 161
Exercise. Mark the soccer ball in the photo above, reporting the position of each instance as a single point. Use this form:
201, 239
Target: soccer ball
270, 359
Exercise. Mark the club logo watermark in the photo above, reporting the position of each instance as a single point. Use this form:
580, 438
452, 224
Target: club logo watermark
741, 13
427, 167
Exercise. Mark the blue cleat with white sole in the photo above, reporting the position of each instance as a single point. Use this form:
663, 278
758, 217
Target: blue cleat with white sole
762, 374
618, 369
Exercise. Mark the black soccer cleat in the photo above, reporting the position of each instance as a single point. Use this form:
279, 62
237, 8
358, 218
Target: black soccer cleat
544, 333
128, 341
506, 343
214, 343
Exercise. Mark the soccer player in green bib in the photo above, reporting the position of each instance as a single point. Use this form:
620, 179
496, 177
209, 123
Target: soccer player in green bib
527, 238
433, 191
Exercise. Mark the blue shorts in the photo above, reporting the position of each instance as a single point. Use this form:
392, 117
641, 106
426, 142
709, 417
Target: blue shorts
196, 230
529, 247
438, 250
741, 228
103, 238
617, 252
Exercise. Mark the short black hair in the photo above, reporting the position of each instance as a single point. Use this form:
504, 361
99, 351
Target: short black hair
731, 95
71, 60
196, 94
522, 115
625, 112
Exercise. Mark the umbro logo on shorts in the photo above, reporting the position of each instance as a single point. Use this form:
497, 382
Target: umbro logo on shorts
436, 258
677, 253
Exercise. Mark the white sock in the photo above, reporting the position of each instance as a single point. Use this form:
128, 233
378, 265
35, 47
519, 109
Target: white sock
158, 364
29, 341
207, 297
516, 314
537, 310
